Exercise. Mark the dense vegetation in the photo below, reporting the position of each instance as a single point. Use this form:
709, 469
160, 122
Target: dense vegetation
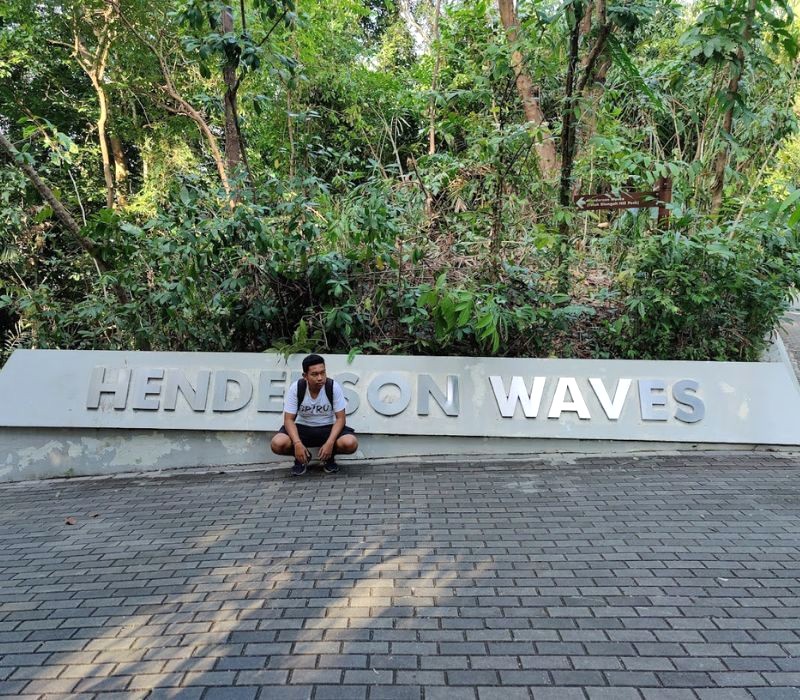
397, 176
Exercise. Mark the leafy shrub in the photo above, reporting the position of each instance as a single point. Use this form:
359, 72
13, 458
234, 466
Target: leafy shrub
714, 295
297, 269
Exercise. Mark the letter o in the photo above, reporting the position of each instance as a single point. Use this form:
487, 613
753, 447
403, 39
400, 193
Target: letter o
387, 408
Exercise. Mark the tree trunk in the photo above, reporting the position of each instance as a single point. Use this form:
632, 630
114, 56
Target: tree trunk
736, 70
432, 101
593, 57
120, 168
497, 223
721, 160
568, 147
290, 131
546, 149
290, 110
233, 144
594, 66
589, 112
568, 117
102, 136
434, 80
94, 65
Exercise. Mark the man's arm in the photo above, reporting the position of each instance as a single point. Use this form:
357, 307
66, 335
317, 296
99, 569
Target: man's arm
326, 451
301, 454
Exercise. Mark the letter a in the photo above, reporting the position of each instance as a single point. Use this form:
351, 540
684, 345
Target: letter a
560, 403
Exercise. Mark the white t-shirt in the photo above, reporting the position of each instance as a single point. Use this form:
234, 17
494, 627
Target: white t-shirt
316, 411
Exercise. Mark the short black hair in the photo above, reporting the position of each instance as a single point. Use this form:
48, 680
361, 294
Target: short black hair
312, 360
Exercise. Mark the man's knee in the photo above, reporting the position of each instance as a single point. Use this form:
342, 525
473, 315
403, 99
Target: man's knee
281, 444
347, 444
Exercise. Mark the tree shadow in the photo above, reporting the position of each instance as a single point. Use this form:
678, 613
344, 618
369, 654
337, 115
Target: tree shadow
381, 581
275, 583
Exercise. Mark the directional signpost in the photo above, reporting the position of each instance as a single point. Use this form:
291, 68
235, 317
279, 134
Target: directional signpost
630, 200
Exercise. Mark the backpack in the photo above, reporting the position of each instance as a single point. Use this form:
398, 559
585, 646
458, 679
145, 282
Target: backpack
302, 385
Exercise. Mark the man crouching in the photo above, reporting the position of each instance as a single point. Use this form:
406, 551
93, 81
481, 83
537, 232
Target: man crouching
314, 416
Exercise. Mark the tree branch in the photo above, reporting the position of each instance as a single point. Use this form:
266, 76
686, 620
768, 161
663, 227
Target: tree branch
171, 90
272, 29
48, 196
591, 59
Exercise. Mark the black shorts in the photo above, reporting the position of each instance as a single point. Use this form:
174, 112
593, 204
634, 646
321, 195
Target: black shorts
316, 435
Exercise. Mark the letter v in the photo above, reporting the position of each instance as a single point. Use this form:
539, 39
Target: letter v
612, 409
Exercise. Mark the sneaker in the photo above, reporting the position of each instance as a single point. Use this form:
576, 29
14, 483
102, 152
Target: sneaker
298, 469
331, 467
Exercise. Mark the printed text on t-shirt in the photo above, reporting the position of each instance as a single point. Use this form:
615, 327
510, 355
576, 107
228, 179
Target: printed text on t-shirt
316, 409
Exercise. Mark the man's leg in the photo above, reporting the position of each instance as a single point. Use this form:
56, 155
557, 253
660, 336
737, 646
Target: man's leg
281, 444
345, 445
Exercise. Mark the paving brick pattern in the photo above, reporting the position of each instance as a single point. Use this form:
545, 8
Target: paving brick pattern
664, 578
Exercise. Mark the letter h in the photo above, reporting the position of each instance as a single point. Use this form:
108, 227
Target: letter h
100, 385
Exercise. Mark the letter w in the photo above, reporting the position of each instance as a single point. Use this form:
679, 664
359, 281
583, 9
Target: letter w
507, 400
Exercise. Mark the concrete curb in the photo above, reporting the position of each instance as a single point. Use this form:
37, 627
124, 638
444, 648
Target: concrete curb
490, 462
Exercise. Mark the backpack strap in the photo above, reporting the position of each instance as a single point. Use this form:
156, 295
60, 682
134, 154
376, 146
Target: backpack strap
302, 386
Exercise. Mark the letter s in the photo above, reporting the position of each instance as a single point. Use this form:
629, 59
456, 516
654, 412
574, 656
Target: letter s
680, 392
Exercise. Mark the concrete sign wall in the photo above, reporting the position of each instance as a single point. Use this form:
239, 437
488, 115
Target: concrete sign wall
709, 402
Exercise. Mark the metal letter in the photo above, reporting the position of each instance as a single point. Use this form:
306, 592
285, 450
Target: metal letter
98, 384
612, 408
507, 400
221, 401
176, 381
575, 405
680, 394
270, 400
353, 402
142, 389
649, 403
389, 408
426, 388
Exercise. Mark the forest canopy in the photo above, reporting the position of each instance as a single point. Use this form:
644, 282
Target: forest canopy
399, 176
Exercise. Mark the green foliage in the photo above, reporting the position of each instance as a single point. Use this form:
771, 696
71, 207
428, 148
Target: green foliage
347, 233
511, 318
716, 294
721, 28
243, 49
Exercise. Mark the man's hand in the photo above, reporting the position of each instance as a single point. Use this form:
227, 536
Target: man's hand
326, 451
301, 454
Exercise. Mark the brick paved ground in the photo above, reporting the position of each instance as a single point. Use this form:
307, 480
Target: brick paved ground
657, 579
